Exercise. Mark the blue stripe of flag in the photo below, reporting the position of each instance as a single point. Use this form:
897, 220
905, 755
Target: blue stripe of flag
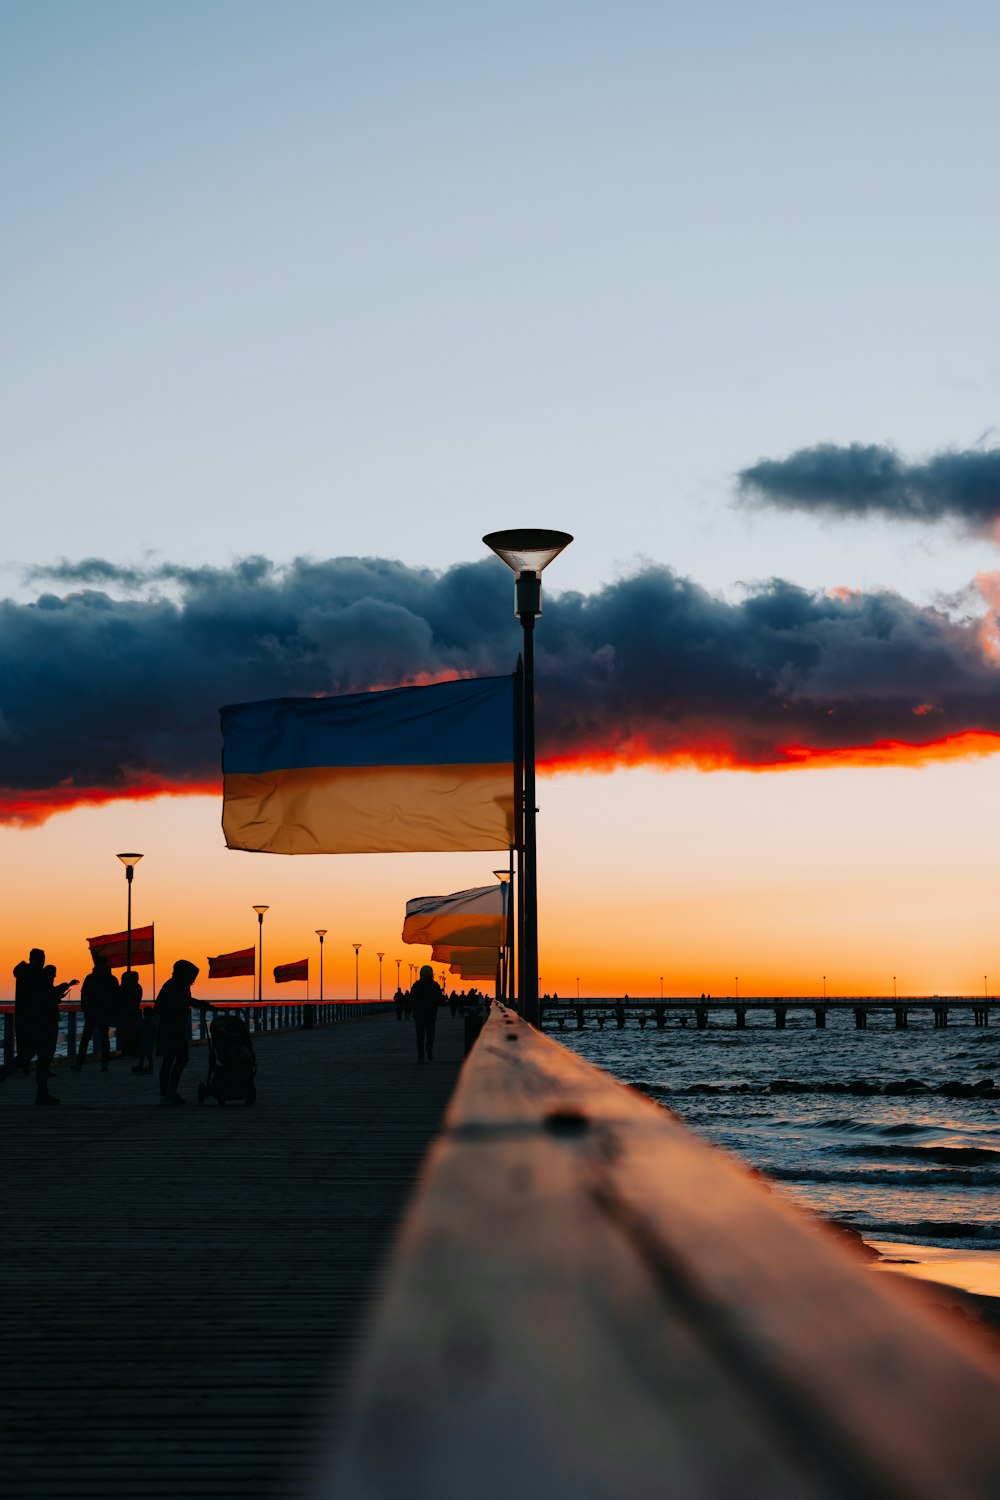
465, 722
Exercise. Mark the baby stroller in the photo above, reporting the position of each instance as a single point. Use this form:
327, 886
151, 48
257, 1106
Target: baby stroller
232, 1064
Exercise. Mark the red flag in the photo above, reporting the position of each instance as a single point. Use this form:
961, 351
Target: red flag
231, 965
114, 947
297, 970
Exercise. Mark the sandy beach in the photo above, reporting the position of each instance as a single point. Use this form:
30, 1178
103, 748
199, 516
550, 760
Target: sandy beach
959, 1281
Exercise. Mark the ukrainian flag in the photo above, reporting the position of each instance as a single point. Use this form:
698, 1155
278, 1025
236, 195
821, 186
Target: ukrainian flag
407, 770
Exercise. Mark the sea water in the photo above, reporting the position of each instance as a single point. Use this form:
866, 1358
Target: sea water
809, 1108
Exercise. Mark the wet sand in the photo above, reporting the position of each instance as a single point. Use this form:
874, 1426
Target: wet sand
963, 1282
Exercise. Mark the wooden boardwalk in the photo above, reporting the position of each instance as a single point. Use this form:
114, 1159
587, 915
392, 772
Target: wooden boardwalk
182, 1289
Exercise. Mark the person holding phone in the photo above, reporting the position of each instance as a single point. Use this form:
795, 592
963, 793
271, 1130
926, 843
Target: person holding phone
36, 1003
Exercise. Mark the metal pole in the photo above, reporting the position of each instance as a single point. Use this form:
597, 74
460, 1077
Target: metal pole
128, 940
357, 949
519, 823
321, 969
380, 958
529, 877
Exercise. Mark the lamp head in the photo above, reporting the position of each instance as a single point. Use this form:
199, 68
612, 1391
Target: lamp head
502, 875
321, 932
527, 551
260, 910
129, 860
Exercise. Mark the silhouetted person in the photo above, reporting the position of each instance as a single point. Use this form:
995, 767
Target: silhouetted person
98, 999
172, 1006
398, 1001
36, 999
453, 1001
425, 998
407, 1003
128, 1011
145, 1041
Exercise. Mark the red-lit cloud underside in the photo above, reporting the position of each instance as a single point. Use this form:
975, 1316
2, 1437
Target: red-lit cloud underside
29, 808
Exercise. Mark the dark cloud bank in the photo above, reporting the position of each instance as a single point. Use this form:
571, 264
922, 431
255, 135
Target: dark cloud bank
122, 695
864, 480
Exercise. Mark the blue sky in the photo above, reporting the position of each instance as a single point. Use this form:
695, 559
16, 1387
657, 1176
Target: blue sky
340, 279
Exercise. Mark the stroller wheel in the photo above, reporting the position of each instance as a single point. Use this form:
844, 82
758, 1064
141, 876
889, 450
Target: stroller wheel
252, 1094
201, 1093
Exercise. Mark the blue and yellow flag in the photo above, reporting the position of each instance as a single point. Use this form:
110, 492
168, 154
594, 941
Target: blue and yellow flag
407, 770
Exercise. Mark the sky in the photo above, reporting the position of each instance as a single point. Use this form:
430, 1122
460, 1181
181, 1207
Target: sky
299, 301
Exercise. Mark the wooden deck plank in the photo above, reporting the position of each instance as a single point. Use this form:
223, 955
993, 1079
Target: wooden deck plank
182, 1289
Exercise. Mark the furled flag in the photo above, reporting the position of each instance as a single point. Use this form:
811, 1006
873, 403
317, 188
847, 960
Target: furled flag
473, 918
231, 965
114, 947
414, 769
470, 963
284, 973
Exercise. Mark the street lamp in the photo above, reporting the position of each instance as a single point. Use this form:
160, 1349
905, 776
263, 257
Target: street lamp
380, 958
661, 986
399, 982
578, 986
506, 879
129, 861
260, 910
357, 948
527, 551
321, 934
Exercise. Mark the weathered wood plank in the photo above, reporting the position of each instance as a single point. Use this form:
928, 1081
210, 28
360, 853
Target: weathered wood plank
587, 1302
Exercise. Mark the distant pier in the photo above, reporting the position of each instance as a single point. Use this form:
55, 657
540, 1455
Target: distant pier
558, 1015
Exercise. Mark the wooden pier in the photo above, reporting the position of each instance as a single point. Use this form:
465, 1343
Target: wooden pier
182, 1288
699, 1013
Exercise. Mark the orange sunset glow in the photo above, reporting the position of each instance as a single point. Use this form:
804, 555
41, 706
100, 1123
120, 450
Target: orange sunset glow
857, 872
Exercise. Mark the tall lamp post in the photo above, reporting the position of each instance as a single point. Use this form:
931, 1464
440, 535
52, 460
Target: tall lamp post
527, 551
357, 949
506, 975
321, 934
399, 982
380, 958
260, 910
129, 861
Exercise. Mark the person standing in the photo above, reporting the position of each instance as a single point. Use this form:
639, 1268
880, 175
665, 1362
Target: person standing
36, 1001
172, 1007
426, 997
98, 1000
397, 1000
129, 1009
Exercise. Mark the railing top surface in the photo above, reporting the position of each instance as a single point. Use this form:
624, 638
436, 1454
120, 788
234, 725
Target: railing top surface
588, 1301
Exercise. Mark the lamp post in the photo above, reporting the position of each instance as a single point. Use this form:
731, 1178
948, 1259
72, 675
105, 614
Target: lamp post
129, 861
321, 934
380, 958
824, 986
260, 910
894, 986
399, 982
357, 949
578, 986
527, 551
505, 986
661, 986
737, 982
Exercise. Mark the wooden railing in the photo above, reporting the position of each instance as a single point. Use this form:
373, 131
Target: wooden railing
263, 1015
588, 1303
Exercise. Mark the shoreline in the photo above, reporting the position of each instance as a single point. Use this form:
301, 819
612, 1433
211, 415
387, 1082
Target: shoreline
963, 1283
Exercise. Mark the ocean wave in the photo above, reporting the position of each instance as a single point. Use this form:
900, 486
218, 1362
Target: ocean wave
933, 1229
914, 1177
943, 1156
953, 1088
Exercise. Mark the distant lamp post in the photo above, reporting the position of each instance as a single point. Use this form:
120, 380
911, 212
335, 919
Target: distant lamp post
527, 551
357, 949
321, 934
578, 986
129, 861
505, 978
380, 958
894, 986
661, 986
399, 982
824, 986
260, 910
736, 981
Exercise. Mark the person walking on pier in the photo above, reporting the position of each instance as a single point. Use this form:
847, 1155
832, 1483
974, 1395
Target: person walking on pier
426, 997
98, 999
173, 1004
397, 1000
36, 1002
